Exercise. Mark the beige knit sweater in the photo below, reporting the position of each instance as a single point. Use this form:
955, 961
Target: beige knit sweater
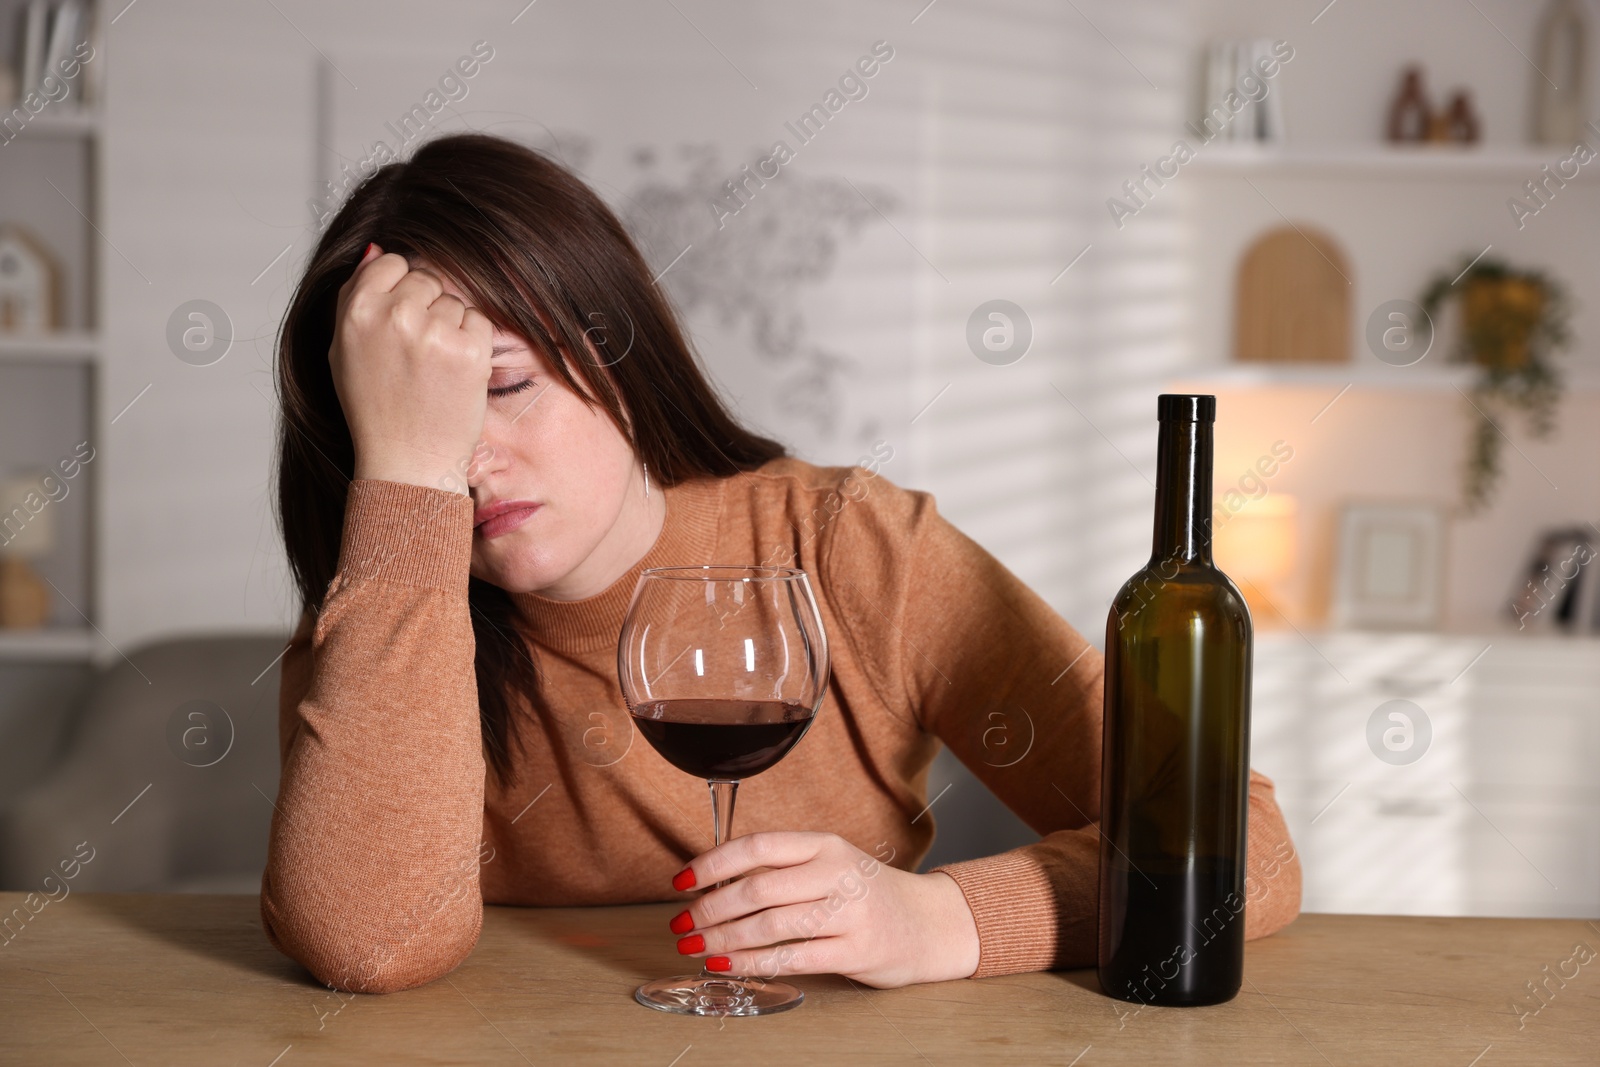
389, 837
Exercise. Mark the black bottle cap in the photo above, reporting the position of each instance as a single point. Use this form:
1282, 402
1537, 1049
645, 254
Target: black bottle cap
1186, 407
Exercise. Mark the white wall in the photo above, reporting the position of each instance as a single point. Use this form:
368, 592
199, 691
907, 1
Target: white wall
991, 141
208, 163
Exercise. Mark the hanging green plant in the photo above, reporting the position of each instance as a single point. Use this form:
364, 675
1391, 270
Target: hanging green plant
1512, 323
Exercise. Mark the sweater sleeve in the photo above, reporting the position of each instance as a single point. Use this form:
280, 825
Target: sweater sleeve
372, 866
987, 666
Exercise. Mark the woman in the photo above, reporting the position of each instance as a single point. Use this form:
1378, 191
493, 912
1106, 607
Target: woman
491, 423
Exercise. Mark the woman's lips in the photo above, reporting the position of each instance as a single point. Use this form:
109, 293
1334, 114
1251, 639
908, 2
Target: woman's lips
502, 518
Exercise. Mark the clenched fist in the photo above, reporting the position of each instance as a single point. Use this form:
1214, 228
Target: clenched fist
411, 368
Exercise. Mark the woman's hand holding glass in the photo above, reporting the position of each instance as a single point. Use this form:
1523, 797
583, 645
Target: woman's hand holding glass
844, 911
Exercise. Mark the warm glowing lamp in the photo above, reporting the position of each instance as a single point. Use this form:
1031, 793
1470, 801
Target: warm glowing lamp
1255, 547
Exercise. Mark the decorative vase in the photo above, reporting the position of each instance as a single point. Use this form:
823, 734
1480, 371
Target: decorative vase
1560, 84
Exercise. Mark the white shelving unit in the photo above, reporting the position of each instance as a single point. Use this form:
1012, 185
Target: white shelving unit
79, 343
1500, 812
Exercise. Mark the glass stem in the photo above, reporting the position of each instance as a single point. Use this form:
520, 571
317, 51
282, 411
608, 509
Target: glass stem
724, 792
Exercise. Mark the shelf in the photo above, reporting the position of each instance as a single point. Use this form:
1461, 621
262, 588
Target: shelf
59, 121
53, 644
1367, 374
1496, 162
71, 346
1337, 375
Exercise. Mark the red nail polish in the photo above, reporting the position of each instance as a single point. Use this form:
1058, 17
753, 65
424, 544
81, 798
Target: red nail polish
719, 963
366, 251
681, 923
687, 946
684, 879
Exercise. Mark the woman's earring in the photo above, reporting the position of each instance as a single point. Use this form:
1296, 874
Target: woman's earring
647, 479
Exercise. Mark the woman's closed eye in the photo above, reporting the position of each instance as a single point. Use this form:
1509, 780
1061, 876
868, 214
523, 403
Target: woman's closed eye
514, 387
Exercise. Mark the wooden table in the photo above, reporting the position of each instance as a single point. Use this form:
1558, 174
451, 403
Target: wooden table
147, 979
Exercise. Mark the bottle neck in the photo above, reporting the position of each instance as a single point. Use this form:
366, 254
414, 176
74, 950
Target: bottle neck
1183, 492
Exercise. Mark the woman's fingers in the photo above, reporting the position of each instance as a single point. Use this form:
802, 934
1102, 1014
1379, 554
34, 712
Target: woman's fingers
451, 310
792, 868
802, 921
418, 283
742, 855
378, 271
825, 955
410, 365
758, 892
477, 324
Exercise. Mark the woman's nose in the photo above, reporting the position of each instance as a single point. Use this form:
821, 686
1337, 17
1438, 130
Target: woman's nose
486, 459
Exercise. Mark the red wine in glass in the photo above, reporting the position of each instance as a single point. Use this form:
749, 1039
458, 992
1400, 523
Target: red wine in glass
723, 669
722, 738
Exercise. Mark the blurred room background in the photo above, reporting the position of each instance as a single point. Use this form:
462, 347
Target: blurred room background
989, 254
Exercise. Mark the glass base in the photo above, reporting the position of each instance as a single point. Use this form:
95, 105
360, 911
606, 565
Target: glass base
700, 994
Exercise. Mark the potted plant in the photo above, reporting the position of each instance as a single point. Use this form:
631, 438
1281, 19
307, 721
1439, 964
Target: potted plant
1512, 323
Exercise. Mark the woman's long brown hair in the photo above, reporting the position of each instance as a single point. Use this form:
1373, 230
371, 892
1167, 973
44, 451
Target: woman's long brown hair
516, 231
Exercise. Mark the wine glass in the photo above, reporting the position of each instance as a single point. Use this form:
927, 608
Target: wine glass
723, 669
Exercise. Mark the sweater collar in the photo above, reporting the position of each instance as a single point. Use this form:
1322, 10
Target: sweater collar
688, 537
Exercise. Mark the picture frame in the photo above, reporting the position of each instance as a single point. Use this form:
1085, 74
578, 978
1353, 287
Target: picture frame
1560, 587
1390, 566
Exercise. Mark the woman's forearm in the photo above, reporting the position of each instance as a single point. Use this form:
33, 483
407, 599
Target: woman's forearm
372, 873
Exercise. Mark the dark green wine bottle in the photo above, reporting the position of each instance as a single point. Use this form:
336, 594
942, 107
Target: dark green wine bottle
1175, 764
